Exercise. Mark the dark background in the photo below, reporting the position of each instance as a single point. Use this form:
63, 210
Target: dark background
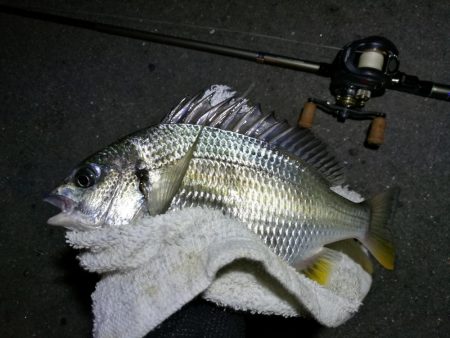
67, 92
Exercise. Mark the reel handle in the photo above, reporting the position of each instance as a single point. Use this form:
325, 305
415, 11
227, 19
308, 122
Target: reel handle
376, 131
306, 117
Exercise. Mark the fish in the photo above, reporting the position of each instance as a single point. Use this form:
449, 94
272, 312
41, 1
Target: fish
216, 150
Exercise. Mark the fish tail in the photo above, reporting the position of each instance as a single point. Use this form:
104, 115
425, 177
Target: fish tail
378, 237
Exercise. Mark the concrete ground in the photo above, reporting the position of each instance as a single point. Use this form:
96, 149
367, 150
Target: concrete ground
67, 92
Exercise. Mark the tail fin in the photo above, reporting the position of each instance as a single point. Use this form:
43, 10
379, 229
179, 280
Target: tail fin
378, 237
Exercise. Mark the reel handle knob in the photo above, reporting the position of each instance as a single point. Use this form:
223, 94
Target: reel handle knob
376, 131
306, 118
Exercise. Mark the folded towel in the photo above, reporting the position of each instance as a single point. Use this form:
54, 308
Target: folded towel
150, 269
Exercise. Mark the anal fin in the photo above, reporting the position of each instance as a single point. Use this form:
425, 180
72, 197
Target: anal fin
319, 266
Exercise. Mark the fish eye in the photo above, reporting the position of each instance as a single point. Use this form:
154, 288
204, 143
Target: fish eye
87, 176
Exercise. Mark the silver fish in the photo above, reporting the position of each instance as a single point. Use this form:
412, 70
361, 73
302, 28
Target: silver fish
217, 151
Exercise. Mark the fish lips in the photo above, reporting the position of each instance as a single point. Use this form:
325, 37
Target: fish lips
68, 217
62, 202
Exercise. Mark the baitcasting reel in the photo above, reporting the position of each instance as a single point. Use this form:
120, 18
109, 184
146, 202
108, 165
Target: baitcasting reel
361, 70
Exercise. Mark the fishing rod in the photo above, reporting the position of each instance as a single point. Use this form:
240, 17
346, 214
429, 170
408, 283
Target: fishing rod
361, 70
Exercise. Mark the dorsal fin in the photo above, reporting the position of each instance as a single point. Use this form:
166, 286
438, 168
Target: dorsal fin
221, 107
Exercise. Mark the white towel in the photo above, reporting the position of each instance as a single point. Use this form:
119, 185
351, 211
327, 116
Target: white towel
152, 268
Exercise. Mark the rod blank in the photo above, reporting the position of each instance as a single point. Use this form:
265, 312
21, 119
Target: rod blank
260, 57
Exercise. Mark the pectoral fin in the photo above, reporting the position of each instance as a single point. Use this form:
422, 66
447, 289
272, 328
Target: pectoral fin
161, 185
319, 266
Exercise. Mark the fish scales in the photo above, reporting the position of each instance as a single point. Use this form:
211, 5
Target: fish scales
273, 194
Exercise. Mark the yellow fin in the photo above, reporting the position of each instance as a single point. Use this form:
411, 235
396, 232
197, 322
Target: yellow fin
354, 250
378, 237
319, 267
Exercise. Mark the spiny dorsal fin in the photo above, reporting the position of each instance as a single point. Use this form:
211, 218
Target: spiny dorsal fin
221, 107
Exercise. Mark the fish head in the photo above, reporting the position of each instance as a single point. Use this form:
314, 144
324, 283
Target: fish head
102, 191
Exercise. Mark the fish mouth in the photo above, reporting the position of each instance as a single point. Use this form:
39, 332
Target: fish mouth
68, 217
62, 202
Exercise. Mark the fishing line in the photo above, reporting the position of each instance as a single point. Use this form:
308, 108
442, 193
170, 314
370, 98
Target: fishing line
169, 23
